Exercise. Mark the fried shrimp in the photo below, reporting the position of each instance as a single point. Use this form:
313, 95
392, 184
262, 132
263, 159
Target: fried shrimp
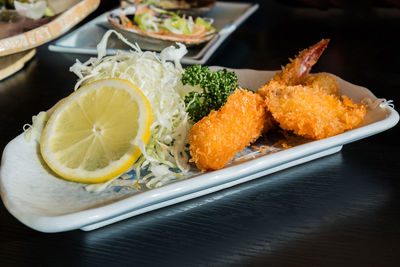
324, 81
310, 105
313, 113
215, 139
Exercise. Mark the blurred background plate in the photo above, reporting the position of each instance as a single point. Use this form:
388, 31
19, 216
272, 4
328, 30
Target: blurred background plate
48, 31
227, 17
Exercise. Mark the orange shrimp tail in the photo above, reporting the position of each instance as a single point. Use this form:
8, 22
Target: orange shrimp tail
216, 139
295, 71
308, 57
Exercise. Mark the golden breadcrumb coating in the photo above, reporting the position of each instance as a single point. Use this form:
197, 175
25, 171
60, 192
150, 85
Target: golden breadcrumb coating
324, 81
215, 139
312, 112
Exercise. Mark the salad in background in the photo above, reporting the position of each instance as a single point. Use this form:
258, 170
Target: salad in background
154, 28
152, 19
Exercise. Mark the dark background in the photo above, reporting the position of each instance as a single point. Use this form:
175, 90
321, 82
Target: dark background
341, 210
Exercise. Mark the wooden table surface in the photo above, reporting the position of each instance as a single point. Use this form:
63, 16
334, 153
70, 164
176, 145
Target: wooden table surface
341, 210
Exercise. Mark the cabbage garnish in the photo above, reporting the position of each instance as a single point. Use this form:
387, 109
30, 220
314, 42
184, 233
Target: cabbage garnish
159, 79
34, 132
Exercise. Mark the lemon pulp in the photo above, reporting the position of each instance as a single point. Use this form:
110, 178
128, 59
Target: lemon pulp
93, 135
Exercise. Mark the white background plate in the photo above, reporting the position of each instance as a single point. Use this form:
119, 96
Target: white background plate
227, 17
46, 203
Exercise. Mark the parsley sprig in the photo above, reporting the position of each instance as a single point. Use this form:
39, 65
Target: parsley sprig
216, 88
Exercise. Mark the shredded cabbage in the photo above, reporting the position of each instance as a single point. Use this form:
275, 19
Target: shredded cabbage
34, 132
160, 81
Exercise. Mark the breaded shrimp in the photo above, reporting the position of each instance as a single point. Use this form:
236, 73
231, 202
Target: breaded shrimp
311, 112
215, 139
310, 105
324, 81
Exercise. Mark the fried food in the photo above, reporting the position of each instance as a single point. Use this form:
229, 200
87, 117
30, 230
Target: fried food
324, 81
215, 139
311, 112
310, 105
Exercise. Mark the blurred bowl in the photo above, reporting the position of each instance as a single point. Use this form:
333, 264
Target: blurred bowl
11, 23
37, 32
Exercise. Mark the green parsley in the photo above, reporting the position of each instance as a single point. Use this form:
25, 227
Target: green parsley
216, 88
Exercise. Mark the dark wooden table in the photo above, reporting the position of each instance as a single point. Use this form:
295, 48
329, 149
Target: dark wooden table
341, 210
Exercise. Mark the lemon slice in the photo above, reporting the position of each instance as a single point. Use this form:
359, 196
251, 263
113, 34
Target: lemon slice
93, 135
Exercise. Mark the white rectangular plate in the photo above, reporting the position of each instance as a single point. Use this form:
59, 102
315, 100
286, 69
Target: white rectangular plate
227, 17
46, 203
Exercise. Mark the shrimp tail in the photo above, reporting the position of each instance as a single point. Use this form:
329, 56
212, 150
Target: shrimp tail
294, 72
310, 56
